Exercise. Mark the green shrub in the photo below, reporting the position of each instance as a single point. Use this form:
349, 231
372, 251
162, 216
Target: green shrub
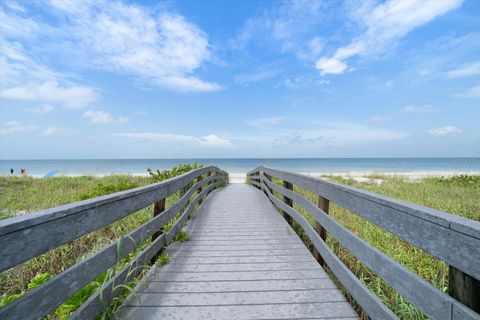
181, 236
163, 259
160, 175
103, 188
37, 281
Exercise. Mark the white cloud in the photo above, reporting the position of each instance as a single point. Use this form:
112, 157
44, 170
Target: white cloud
444, 131
208, 140
472, 92
466, 70
55, 131
161, 49
99, 117
410, 108
330, 66
214, 140
11, 127
46, 108
384, 23
72, 97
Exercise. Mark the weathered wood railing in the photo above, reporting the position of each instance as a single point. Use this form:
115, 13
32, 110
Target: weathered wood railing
25, 237
453, 239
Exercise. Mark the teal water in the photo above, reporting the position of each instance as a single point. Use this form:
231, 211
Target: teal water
98, 166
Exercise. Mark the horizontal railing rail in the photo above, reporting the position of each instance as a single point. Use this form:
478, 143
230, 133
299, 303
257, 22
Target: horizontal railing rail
453, 239
25, 237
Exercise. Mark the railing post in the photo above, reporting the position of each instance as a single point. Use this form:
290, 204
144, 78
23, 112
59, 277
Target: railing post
322, 204
464, 288
158, 208
200, 190
256, 180
287, 201
269, 178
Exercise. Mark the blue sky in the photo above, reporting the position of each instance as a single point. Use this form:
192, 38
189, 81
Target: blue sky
149, 79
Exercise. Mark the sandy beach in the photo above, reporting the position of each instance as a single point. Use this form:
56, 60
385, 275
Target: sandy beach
363, 176
360, 176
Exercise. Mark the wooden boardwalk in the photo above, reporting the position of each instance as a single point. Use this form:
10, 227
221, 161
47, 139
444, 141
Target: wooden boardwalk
243, 261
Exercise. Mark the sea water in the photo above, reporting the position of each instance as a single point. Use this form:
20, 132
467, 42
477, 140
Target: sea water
323, 165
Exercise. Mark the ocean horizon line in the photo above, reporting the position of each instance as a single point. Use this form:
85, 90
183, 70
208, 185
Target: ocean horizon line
240, 158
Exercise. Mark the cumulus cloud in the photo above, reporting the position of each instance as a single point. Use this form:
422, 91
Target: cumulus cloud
161, 49
443, 131
72, 97
208, 140
157, 47
384, 23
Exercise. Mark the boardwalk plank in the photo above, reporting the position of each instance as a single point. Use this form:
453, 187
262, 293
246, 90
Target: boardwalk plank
236, 268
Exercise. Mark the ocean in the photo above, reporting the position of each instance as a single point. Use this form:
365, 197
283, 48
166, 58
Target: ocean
323, 165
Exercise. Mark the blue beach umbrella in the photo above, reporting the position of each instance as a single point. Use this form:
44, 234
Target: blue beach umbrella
50, 173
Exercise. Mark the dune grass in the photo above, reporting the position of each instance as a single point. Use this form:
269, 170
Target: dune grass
456, 195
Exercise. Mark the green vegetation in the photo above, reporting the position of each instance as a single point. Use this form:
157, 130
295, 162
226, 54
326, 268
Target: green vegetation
22, 195
163, 259
181, 236
160, 175
457, 195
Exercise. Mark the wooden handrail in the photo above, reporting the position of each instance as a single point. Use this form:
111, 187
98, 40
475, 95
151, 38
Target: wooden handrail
46, 230
423, 227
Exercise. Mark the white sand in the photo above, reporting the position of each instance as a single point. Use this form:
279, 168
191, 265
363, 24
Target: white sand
362, 176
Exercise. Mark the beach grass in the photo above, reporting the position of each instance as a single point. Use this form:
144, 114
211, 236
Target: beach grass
456, 195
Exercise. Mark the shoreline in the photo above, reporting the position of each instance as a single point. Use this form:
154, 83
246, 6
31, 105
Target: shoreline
239, 177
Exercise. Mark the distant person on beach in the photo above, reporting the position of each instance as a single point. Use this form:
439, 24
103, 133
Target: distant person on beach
12, 171
22, 171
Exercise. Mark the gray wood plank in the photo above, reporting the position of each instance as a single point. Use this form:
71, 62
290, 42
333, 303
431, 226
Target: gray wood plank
235, 253
188, 246
237, 286
235, 298
294, 265
241, 260
238, 270
239, 275
322, 310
